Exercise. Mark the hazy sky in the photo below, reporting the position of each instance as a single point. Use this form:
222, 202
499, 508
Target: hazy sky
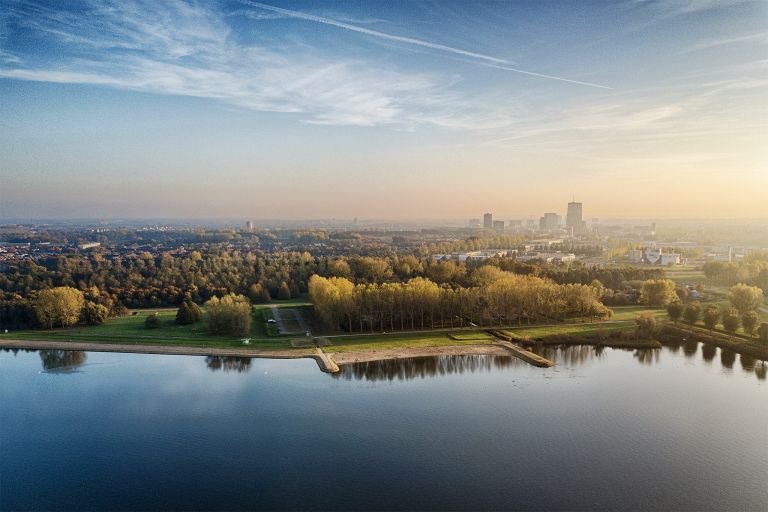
383, 109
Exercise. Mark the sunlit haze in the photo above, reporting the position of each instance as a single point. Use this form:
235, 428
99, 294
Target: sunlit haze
387, 110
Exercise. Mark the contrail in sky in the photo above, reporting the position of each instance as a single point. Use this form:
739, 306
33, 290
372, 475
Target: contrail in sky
487, 60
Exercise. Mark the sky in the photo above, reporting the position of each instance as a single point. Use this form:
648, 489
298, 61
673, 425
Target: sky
386, 110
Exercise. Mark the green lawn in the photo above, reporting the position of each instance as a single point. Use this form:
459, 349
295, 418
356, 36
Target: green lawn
398, 340
566, 330
470, 336
629, 313
131, 329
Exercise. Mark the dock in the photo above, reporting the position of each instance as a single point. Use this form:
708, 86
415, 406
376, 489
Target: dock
526, 355
325, 363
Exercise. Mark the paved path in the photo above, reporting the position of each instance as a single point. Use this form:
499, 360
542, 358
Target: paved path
277, 314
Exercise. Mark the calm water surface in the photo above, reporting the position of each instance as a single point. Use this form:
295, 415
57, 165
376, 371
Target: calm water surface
679, 428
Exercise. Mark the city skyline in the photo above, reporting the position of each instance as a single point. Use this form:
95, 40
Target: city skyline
404, 110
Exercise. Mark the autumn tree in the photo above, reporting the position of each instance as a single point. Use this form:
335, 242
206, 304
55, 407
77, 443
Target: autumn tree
284, 292
711, 316
749, 322
692, 312
93, 314
675, 311
59, 306
230, 314
745, 298
657, 292
731, 320
646, 324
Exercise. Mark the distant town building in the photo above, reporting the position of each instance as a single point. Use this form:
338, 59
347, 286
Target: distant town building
573, 219
530, 223
515, 224
549, 221
488, 221
725, 257
474, 223
548, 257
653, 256
498, 225
88, 245
473, 255
249, 226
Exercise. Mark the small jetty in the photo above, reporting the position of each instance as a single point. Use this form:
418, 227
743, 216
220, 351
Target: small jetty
325, 363
521, 353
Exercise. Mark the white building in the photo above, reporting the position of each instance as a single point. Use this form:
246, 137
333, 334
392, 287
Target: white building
654, 256
549, 257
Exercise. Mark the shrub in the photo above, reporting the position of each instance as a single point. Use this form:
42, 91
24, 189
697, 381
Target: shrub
93, 314
152, 321
646, 325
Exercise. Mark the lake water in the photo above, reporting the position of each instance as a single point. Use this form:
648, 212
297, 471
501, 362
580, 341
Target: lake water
681, 428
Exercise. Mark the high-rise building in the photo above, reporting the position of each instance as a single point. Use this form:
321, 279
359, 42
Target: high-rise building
249, 226
549, 221
573, 220
488, 221
498, 225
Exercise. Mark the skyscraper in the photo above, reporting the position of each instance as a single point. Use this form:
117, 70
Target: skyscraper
573, 219
548, 221
488, 221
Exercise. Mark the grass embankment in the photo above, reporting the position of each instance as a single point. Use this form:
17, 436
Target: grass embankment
620, 335
131, 330
406, 340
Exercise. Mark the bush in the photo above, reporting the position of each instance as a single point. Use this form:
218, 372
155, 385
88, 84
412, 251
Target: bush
152, 321
646, 325
93, 314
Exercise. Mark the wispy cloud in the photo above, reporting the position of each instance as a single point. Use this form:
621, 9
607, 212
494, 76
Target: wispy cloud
186, 49
375, 33
495, 62
761, 37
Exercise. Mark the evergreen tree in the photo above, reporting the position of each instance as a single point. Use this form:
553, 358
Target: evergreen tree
185, 316
284, 293
197, 313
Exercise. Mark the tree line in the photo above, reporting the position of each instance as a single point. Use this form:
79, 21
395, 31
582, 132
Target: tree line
496, 298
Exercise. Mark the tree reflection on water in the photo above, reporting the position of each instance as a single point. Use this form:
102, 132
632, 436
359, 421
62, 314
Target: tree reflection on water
228, 363
569, 355
62, 361
421, 367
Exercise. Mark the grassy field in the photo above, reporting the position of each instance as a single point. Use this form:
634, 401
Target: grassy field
567, 330
131, 329
629, 313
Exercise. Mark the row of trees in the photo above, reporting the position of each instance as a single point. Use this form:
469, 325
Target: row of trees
730, 318
497, 298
